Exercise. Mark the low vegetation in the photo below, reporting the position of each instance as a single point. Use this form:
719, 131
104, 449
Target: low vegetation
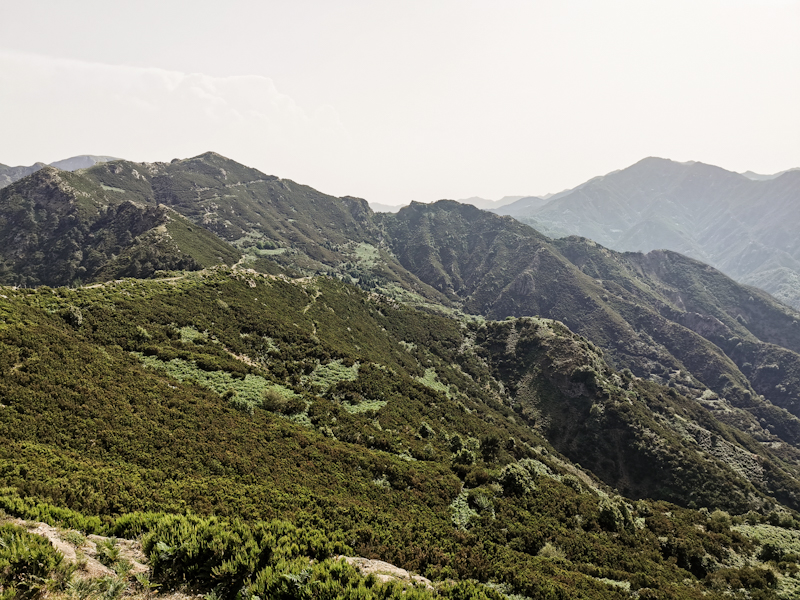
169, 411
250, 426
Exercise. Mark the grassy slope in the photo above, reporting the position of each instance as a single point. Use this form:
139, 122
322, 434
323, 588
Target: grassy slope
663, 316
86, 425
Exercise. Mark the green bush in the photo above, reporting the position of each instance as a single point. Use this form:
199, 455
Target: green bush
29, 565
219, 554
516, 480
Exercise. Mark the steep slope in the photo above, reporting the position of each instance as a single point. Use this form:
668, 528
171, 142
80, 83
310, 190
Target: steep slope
666, 317
9, 175
744, 227
266, 217
269, 220
642, 438
59, 228
447, 446
731, 351
377, 429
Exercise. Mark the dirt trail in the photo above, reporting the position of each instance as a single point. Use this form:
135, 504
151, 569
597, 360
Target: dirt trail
129, 549
86, 554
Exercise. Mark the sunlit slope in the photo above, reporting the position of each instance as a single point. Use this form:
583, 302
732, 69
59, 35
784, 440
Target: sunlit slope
412, 436
667, 318
61, 228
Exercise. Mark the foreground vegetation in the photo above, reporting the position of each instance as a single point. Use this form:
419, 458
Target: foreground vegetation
249, 429
331, 396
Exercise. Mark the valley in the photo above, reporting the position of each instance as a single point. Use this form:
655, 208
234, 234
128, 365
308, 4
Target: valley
253, 378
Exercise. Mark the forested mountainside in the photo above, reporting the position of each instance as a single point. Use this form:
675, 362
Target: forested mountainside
661, 315
441, 388
272, 220
743, 226
384, 431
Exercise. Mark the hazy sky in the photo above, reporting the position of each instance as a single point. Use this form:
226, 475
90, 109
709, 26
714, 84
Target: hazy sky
394, 101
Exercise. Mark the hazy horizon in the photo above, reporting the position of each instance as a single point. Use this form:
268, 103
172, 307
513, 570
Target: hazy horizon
414, 101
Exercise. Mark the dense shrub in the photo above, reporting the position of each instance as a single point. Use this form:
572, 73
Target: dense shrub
29, 565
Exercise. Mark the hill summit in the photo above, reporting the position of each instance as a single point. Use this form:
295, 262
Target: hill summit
744, 226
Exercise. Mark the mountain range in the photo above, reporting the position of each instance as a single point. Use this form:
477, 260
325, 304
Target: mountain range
195, 348
742, 224
476, 201
9, 175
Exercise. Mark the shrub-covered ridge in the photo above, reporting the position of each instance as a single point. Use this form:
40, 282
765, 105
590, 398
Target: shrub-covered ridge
446, 471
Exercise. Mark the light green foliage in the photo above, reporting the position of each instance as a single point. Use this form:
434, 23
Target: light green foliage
624, 585
147, 586
108, 551
327, 375
190, 334
364, 406
615, 515
788, 587
75, 538
516, 479
551, 551
81, 588
787, 540
431, 380
382, 482
462, 512
29, 565
539, 469
271, 345
367, 254
246, 391
110, 587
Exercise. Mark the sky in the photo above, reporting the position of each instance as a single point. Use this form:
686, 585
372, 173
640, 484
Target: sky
415, 100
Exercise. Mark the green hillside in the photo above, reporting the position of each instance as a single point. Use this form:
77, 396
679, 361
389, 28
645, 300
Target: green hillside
665, 317
60, 228
260, 378
254, 397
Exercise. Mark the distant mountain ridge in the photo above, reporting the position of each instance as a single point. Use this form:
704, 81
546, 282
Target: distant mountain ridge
667, 318
745, 227
9, 175
476, 201
766, 177
422, 384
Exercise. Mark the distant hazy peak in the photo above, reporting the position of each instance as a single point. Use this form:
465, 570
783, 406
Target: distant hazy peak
486, 204
761, 177
386, 208
84, 161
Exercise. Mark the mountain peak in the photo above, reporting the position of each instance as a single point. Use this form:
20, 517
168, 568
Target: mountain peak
83, 161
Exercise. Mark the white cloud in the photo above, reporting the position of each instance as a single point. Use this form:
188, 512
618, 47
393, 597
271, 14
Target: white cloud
75, 107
